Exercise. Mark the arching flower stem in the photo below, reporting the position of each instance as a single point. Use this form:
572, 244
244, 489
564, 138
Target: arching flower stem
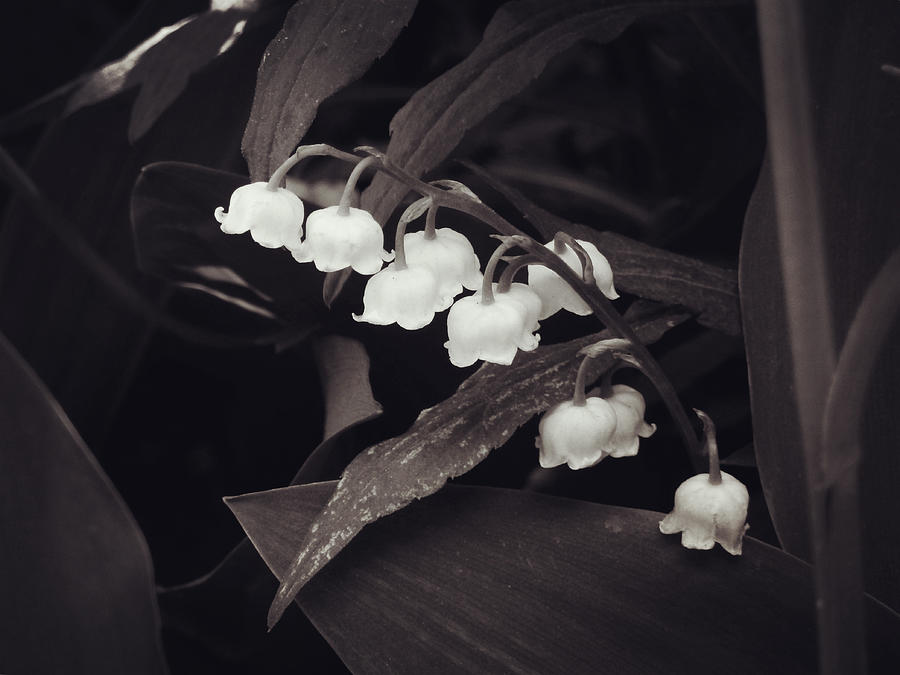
600, 305
303, 151
347, 196
712, 448
578, 397
563, 239
506, 243
513, 266
430, 228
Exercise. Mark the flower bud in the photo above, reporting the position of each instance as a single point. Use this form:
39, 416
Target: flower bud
274, 218
335, 241
706, 513
577, 435
449, 255
556, 294
408, 297
491, 332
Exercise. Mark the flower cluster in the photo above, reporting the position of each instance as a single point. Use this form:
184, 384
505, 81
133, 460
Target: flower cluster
580, 434
428, 270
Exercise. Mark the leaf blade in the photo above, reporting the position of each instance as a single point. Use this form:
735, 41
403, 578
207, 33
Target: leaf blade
323, 46
77, 573
482, 415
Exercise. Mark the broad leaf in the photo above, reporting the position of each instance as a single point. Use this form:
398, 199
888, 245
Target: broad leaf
481, 580
178, 239
445, 441
207, 607
324, 45
517, 44
76, 579
163, 63
644, 270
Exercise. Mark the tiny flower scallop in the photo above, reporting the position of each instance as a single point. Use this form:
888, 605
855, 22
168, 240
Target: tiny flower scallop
577, 435
491, 332
449, 255
408, 297
274, 218
334, 241
706, 513
628, 404
556, 294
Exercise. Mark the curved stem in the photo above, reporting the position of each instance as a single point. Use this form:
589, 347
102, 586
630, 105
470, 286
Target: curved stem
600, 305
303, 151
347, 196
712, 447
563, 239
512, 267
578, 398
430, 228
506, 243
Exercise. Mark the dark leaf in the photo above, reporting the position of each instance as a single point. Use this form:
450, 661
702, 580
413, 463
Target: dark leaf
645, 270
481, 580
445, 441
76, 580
517, 44
776, 430
178, 239
163, 64
324, 45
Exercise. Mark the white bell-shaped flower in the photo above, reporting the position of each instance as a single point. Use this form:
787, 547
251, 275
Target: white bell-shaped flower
706, 513
524, 295
335, 241
628, 404
491, 332
274, 218
408, 297
556, 294
577, 435
449, 255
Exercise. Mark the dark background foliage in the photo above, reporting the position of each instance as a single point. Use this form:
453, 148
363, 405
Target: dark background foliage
658, 134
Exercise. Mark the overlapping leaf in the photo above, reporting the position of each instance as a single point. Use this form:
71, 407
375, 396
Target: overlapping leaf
644, 270
163, 63
76, 579
481, 580
178, 239
445, 441
324, 45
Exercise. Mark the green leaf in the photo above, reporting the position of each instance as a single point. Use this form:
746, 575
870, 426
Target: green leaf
76, 579
324, 45
163, 63
482, 580
445, 441
178, 239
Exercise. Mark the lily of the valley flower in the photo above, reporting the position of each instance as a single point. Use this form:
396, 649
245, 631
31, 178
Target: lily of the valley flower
709, 507
449, 255
491, 332
580, 434
408, 297
556, 294
336, 240
706, 513
274, 217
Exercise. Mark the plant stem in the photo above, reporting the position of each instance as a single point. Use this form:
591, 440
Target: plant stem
601, 306
512, 268
430, 229
506, 243
347, 196
712, 447
578, 398
563, 239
